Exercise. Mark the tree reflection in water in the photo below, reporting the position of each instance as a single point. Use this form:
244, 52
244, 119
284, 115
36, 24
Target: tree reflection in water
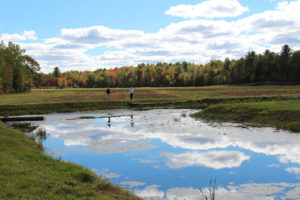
31, 130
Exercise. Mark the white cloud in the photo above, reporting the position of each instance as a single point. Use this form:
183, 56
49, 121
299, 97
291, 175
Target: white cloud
27, 35
106, 174
99, 35
183, 193
284, 18
132, 184
254, 191
199, 136
261, 140
211, 159
150, 192
209, 9
196, 40
294, 170
294, 194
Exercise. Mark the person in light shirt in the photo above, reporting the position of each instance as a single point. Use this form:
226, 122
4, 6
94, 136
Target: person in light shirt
131, 91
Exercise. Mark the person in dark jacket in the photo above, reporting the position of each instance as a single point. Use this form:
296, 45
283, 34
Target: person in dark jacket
108, 94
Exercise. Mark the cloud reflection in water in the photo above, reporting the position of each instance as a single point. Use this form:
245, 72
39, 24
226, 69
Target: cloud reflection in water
211, 159
166, 139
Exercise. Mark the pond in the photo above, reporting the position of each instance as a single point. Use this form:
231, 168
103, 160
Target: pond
166, 154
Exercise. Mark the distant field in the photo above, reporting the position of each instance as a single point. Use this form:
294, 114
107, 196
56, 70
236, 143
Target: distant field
96, 94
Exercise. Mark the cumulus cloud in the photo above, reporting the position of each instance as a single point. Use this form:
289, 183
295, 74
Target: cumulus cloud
132, 184
261, 140
200, 140
285, 18
211, 159
99, 35
294, 170
106, 174
26, 35
193, 40
150, 192
209, 9
255, 191
183, 193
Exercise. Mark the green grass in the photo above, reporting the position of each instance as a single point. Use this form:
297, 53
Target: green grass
59, 107
75, 106
122, 94
27, 173
281, 114
226, 91
33, 97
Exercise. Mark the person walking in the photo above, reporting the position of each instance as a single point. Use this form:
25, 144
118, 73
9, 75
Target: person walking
131, 91
108, 94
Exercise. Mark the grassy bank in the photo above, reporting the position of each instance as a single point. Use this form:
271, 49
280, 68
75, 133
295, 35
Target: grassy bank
27, 173
141, 104
60, 107
76, 106
281, 114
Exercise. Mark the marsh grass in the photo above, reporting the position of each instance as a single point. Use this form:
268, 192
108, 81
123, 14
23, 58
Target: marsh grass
211, 190
281, 114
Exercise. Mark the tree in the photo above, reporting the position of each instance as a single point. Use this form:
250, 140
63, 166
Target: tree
270, 69
91, 81
295, 67
17, 70
249, 68
284, 62
56, 72
185, 66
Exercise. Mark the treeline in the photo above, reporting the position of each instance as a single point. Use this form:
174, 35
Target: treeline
18, 72
283, 67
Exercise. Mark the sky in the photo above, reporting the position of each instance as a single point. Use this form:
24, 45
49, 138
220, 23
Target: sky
91, 34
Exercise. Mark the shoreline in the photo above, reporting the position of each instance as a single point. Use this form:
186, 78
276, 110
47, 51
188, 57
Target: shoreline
26, 172
258, 111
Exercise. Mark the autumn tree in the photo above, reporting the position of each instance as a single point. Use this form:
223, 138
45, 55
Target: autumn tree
18, 72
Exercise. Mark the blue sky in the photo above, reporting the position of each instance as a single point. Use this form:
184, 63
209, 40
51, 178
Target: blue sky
86, 35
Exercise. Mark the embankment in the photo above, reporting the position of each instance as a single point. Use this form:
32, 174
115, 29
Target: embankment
27, 173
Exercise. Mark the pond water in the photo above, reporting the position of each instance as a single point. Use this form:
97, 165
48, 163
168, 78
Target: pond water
166, 154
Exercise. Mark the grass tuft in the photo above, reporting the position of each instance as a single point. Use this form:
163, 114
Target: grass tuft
85, 176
